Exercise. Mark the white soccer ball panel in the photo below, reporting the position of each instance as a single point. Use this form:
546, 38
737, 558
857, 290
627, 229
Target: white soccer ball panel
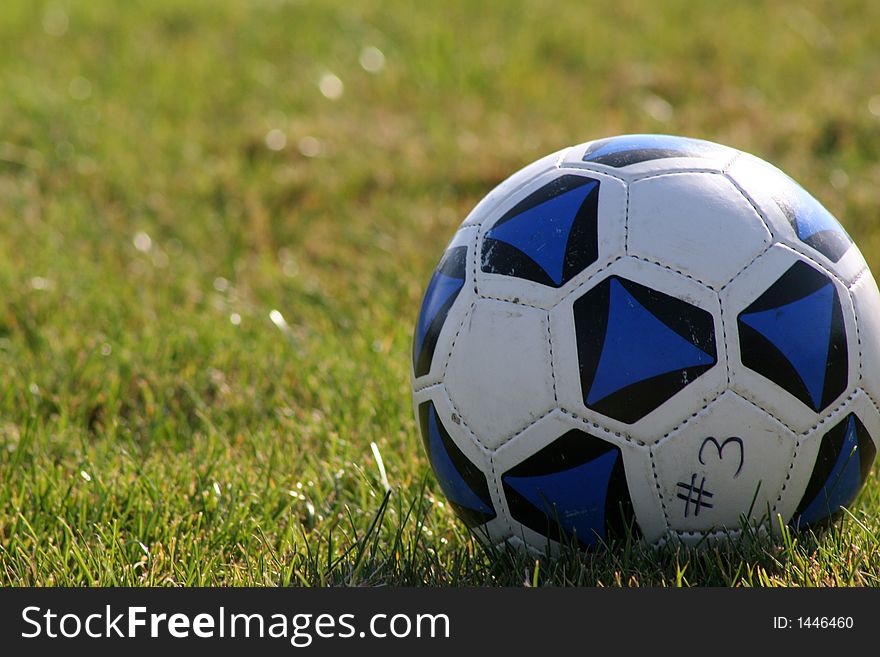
726, 464
795, 217
638, 349
791, 338
550, 234
500, 375
698, 224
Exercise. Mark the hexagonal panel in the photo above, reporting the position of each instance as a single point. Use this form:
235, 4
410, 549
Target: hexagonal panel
563, 481
791, 336
632, 156
548, 237
499, 376
647, 351
795, 217
727, 463
550, 234
450, 277
696, 223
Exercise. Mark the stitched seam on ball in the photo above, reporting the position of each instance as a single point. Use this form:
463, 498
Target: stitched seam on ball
585, 166
461, 423
870, 398
672, 269
515, 301
424, 386
858, 278
707, 533
659, 489
515, 434
831, 412
591, 424
674, 172
552, 364
765, 411
467, 316
626, 220
747, 265
586, 281
589, 279
852, 299
561, 158
797, 248
727, 167
478, 256
751, 202
689, 418
427, 386
504, 511
724, 338
794, 458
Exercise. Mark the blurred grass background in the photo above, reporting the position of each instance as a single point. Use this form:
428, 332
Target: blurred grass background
217, 221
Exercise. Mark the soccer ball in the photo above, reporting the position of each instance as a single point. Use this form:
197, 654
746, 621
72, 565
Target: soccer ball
651, 334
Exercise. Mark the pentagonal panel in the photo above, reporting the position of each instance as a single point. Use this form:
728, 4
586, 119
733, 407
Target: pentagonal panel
449, 279
842, 465
637, 347
695, 223
633, 156
461, 467
499, 376
462, 481
486, 206
550, 234
726, 464
647, 350
795, 217
793, 334
548, 237
563, 482
791, 331
832, 463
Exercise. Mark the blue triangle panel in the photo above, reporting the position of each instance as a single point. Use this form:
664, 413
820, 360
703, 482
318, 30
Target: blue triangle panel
575, 498
453, 484
638, 346
843, 482
801, 330
542, 231
811, 217
440, 290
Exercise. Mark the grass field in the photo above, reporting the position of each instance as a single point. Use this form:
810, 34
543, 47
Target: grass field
217, 221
